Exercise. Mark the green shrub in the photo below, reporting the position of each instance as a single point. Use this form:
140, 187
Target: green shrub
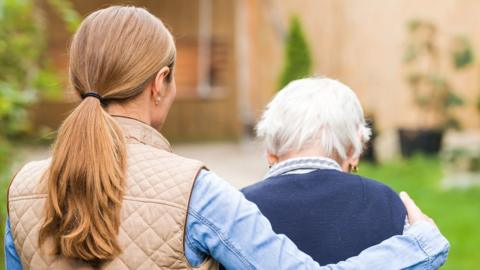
298, 63
26, 74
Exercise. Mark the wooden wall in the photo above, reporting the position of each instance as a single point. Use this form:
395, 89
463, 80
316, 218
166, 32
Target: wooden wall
362, 43
192, 117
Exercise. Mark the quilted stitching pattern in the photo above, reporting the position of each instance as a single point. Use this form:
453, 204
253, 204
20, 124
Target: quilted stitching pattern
153, 212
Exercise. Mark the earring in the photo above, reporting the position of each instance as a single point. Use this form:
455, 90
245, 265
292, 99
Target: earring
157, 100
352, 168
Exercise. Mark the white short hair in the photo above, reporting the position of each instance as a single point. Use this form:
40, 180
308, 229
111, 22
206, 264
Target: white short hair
311, 112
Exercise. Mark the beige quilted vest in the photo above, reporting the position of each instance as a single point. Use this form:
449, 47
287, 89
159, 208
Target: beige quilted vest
154, 209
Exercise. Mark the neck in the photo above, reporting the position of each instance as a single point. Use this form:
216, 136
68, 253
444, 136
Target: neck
129, 112
306, 153
312, 152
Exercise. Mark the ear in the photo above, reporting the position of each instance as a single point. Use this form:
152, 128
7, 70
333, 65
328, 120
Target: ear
350, 153
159, 88
272, 159
351, 160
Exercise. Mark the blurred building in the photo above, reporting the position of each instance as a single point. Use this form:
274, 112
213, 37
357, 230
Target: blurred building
206, 105
230, 54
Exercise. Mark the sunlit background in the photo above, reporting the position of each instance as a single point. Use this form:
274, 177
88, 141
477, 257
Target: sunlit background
413, 63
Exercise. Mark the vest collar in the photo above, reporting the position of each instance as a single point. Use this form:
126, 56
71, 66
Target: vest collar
137, 131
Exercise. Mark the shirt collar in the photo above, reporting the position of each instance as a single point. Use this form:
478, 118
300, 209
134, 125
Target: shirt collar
139, 132
303, 163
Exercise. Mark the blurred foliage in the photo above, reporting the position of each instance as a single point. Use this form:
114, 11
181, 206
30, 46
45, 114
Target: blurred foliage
4, 183
462, 159
478, 104
21, 45
422, 36
462, 53
413, 25
26, 74
13, 113
68, 14
455, 211
432, 90
298, 60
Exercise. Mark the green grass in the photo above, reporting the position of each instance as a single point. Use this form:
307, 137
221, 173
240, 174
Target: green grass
456, 211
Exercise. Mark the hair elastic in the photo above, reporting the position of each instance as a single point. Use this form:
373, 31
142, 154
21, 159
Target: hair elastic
93, 94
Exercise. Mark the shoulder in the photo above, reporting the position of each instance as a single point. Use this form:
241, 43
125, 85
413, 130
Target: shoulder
255, 187
377, 192
208, 183
26, 180
375, 187
212, 195
141, 153
160, 175
382, 196
261, 187
286, 182
33, 167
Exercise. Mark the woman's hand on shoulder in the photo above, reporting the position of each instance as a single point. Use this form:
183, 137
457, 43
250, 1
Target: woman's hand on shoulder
413, 212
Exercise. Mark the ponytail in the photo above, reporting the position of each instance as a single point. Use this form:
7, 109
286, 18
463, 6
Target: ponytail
85, 185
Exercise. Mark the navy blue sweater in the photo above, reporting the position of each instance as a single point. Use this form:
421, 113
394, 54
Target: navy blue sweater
330, 215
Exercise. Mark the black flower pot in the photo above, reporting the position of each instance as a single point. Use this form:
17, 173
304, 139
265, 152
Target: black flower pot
424, 141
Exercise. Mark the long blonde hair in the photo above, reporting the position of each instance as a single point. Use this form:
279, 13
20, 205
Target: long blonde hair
116, 53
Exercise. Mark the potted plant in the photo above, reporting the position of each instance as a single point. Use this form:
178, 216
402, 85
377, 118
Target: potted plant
433, 93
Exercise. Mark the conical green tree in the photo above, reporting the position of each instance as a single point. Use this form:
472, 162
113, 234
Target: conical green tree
298, 62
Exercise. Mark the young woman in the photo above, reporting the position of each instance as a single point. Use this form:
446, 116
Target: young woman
114, 196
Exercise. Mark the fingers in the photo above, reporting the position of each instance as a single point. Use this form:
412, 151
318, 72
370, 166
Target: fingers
414, 213
428, 219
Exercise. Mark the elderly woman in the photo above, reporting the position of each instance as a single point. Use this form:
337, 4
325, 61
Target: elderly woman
314, 131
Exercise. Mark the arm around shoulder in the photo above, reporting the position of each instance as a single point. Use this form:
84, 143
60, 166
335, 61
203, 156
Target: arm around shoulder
223, 224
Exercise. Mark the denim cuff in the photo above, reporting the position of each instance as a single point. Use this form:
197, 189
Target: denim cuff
431, 241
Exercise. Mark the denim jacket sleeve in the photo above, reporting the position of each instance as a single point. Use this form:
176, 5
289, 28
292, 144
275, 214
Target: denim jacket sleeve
223, 224
12, 261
